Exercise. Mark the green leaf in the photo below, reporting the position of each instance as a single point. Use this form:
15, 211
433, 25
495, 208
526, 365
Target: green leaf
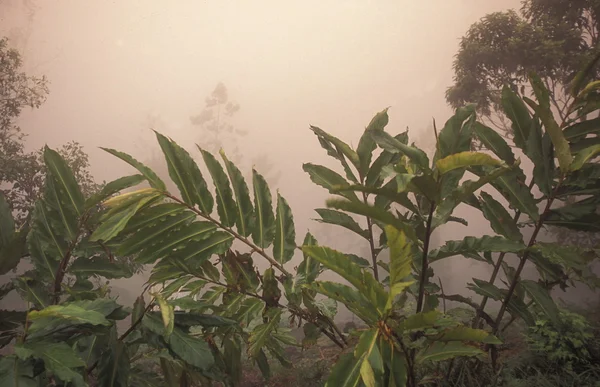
494, 142
327, 179
544, 112
400, 262
245, 217
309, 268
439, 351
112, 188
226, 206
582, 129
285, 233
456, 134
542, 299
67, 184
368, 350
500, 220
463, 333
112, 223
393, 145
114, 366
7, 224
465, 159
263, 364
539, 151
375, 213
516, 110
579, 216
486, 289
395, 362
100, 266
366, 145
186, 175
59, 358
16, 373
191, 350
355, 301
167, 313
153, 179
342, 146
580, 78
69, 313
341, 219
584, 156
374, 176
471, 244
420, 321
345, 372
262, 332
264, 228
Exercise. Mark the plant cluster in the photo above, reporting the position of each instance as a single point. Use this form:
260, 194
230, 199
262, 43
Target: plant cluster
206, 303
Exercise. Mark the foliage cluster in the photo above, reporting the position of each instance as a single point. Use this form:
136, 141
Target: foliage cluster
206, 303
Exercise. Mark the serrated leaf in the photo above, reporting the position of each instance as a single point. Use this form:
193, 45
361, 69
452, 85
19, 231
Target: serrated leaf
500, 220
262, 332
65, 179
456, 134
494, 142
100, 266
284, 243
542, 299
327, 179
341, 219
226, 206
112, 188
191, 350
356, 302
309, 268
70, 313
342, 146
149, 174
186, 175
516, 110
366, 145
463, 160
264, 228
245, 218
582, 129
400, 262
472, 244
420, 321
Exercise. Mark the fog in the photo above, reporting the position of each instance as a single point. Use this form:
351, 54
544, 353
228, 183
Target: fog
118, 67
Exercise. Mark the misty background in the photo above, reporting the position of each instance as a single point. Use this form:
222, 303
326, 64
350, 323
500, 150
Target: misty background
119, 68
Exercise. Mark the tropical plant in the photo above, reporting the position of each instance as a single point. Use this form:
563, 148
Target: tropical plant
207, 303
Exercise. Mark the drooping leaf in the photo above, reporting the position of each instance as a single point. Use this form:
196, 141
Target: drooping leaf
341, 219
69, 313
582, 129
192, 350
245, 218
284, 243
309, 267
112, 188
327, 179
59, 358
355, 301
7, 224
456, 135
342, 146
264, 228
226, 206
15, 372
149, 174
167, 313
471, 244
463, 160
544, 112
114, 365
393, 145
516, 110
374, 176
439, 351
538, 149
366, 145
500, 220
186, 175
581, 216
494, 142
542, 299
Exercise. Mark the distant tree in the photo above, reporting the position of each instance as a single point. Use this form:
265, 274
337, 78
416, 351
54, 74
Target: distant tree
554, 38
22, 173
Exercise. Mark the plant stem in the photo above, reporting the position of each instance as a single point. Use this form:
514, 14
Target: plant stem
425, 262
371, 243
244, 240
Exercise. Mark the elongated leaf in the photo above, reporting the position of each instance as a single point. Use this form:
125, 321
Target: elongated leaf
309, 268
539, 151
456, 134
342, 146
542, 299
16, 373
463, 160
516, 110
114, 366
153, 179
584, 156
400, 261
392, 191
264, 228
100, 266
245, 217
439, 351
335, 152
420, 321
7, 224
471, 244
65, 179
167, 313
59, 358
346, 372
544, 112
112, 223
375, 213
327, 179
341, 219
191, 350
374, 176
500, 220
581, 77
582, 129
355, 301
226, 206
494, 142
393, 145
186, 175
262, 332
285, 233
112, 188
581, 216
463, 333
366, 145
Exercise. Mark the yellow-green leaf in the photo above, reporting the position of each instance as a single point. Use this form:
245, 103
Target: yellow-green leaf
465, 159
584, 156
